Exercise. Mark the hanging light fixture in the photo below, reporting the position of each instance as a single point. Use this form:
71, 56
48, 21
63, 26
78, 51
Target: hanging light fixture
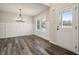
19, 18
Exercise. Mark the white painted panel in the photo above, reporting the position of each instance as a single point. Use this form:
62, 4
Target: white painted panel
24, 29
65, 39
2, 30
10, 29
15, 29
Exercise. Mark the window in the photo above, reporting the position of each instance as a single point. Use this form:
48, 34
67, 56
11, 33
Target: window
67, 19
38, 24
41, 24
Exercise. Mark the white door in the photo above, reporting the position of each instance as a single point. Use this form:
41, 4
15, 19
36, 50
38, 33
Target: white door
67, 28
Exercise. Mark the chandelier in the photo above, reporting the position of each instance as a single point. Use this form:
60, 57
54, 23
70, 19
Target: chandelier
19, 18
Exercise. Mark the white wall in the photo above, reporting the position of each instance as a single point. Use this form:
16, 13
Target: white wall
52, 25
10, 28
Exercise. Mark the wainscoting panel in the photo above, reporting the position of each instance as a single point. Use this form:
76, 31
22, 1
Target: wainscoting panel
11, 30
15, 29
24, 29
2, 30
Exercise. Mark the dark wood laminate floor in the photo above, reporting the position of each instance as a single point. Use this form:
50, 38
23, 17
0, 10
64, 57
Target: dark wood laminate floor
30, 45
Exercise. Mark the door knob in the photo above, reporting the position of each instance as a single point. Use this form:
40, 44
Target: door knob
57, 27
75, 27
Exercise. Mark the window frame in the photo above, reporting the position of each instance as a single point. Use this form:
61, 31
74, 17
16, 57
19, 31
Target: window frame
40, 19
61, 13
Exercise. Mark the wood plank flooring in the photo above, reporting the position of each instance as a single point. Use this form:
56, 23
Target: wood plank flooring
30, 45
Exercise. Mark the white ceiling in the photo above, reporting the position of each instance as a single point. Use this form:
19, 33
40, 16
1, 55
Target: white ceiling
30, 9
47, 4
57, 5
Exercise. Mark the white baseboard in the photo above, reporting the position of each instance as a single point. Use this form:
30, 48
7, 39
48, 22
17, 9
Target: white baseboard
53, 42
